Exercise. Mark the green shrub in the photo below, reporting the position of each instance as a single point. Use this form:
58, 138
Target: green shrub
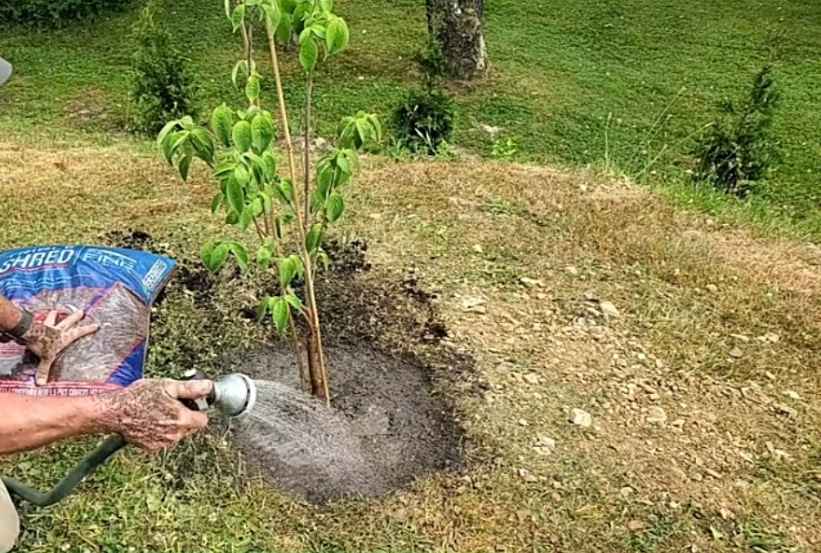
424, 121
53, 12
161, 87
738, 150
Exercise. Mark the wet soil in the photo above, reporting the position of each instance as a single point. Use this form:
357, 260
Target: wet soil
404, 428
393, 376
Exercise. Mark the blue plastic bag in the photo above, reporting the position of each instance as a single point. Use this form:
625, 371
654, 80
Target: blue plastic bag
114, 287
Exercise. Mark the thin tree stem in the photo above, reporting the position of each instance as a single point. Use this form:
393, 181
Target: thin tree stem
283, 113
306, 255
307, 162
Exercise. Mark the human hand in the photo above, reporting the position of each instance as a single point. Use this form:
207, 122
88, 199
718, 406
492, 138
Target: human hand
150, 415
47, 339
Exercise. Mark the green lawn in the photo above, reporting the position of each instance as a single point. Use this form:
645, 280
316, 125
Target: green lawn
624, 82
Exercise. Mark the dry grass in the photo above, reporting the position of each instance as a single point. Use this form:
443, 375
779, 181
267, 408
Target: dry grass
715, 325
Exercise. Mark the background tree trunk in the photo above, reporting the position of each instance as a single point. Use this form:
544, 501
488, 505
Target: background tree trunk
456, 27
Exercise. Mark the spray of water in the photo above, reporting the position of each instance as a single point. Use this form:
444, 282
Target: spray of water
298, 435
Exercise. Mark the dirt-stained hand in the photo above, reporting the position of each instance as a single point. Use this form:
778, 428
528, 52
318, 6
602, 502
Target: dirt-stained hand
47, 338
149, 413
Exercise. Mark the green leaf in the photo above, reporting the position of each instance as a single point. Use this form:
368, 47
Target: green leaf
241, 65
222, 120
281, 313
284, 29
272, 12
270, 165
294, 301
236, 196
245, 219
217, 202
335, 207
308, 54
241, 135
177, 139
240, 254
262, 131
241, 175
252, 88
325, 179
203, 144
323, 258
337, 35
264, 308
184, 165
265, 256
237, 17
214, 255
287, 191
287, 271
166, 130
187, 122
167, 145
314, 238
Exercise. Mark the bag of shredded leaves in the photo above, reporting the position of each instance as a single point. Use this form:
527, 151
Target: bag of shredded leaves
114, 287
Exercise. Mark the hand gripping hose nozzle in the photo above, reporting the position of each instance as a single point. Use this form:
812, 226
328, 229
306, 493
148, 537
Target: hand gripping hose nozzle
233, 395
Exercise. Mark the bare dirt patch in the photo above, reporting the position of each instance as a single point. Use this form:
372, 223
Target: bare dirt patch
403, 429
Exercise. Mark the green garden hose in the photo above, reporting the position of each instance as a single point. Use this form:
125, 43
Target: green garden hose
109, 447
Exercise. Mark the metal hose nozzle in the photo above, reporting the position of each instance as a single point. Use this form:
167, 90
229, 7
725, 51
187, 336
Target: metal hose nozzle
234, 395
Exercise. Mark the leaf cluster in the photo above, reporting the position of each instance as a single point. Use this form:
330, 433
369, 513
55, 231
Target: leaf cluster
738, 150
424, 121
162, 87
239, 146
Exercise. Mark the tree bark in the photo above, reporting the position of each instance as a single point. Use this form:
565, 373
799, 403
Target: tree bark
456, 27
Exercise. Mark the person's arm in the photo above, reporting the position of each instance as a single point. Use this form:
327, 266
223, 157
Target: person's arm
43, 336
148, 414
10, 316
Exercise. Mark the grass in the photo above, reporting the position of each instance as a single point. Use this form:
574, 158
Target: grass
537, 358
690, 287
622, 83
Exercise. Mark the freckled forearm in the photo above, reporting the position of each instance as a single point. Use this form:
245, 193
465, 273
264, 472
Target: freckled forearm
9, 315
28, 422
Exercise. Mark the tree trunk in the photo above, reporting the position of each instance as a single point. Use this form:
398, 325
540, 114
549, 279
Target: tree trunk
317, 377
456, 27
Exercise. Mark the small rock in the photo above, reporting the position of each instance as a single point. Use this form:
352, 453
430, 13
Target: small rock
490, 129
609, 310
769, 375
626, 491
736, 353
531, 378
792, 394
580, 417
656, 415
785, 410
527, 476
571, 270
712, 288
546, 441
478, 249
522, 422
531, 282
712, 473
635, 525
770, 337
678, 423
474, 305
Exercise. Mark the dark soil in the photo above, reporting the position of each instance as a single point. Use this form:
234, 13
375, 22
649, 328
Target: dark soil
392, 376
406, 429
